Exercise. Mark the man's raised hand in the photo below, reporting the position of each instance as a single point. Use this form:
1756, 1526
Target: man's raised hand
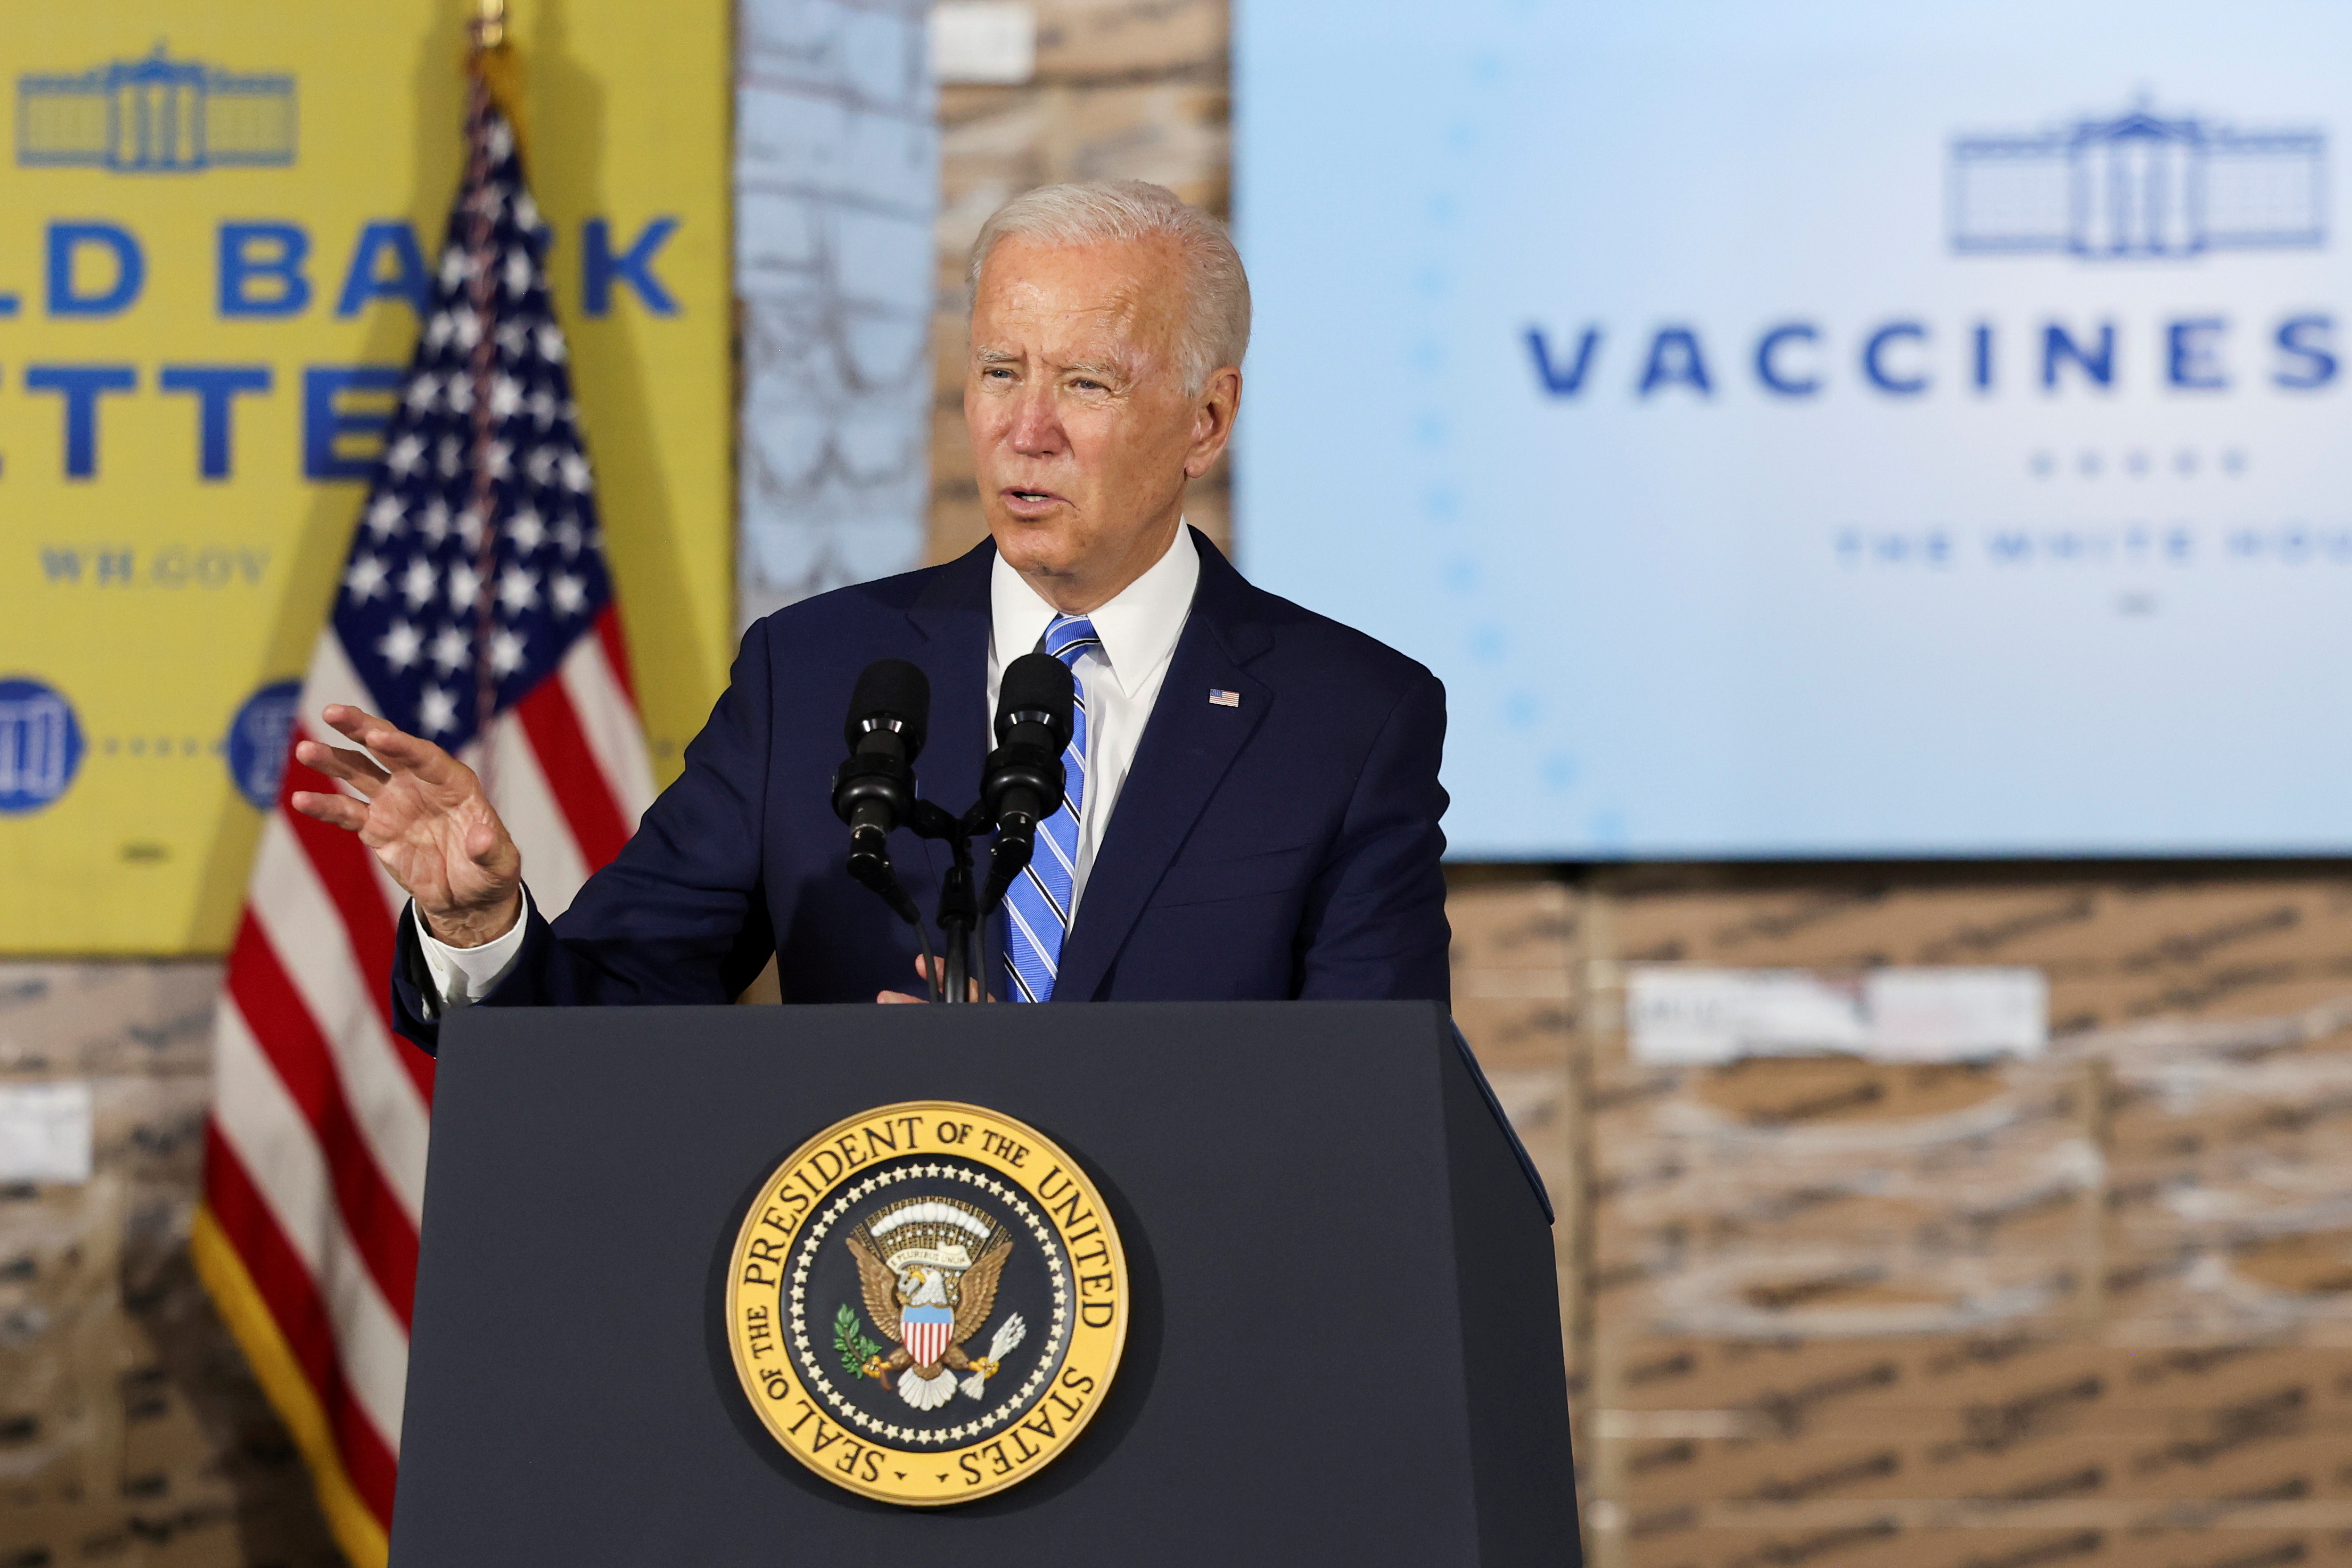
426, 816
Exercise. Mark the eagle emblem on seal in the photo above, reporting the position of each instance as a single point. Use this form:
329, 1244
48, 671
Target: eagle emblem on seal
927, 1268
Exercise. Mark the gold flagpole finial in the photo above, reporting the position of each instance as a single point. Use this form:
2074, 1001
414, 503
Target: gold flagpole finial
489, 25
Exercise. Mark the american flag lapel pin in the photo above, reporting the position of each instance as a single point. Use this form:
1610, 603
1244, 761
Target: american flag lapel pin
1224, 699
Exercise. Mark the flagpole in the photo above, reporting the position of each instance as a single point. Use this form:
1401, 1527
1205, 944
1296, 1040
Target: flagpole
489, 29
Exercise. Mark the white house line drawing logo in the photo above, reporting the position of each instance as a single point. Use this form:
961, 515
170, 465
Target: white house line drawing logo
154, 116
36, 746
2136, 186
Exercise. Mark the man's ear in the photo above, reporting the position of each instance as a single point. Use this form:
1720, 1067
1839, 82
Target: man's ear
1213, 421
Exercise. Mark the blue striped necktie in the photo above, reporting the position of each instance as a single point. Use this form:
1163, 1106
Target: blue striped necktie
1037, 905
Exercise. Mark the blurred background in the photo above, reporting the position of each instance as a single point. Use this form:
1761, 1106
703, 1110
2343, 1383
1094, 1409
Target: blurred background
1872, 479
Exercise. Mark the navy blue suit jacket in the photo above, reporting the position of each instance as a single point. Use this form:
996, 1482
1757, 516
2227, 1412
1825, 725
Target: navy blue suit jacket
1283, 848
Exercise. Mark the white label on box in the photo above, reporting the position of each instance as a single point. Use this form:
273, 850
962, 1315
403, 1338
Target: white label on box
1682, 1016
1686, 1016
1951, 1015
45, 1131
984, 41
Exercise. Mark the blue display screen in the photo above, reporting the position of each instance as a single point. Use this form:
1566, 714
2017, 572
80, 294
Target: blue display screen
1819, 430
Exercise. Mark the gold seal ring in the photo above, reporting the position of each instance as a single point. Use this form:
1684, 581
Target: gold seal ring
927, 1302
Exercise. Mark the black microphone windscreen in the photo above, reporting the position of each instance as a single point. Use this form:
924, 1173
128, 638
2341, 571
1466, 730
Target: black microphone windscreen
1036, 683
891, 689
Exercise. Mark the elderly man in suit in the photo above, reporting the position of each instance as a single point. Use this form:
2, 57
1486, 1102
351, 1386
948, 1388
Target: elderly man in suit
1254, 797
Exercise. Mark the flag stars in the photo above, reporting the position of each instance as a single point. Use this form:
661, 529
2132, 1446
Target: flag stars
384, 517
437, 710
364, 578
401, 646
505, 651
451, 650
419, 582
454, 575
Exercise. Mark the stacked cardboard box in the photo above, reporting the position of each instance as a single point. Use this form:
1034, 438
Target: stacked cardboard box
2092, 1308
1514, 939
1975, 1449
130, 1432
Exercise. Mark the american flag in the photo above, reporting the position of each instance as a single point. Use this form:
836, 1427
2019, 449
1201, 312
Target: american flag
475, 585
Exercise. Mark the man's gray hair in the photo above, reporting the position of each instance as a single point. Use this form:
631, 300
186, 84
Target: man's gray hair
1216, 327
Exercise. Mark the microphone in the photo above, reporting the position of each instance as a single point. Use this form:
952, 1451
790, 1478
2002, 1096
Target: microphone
874, 787
1022, 784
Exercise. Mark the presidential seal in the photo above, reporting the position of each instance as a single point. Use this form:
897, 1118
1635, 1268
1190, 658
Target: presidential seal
927, 1302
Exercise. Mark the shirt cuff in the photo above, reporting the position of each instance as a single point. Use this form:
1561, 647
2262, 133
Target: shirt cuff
464, 976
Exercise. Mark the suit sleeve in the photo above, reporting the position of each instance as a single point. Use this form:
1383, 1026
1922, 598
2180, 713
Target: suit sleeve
1374, 928
679, 916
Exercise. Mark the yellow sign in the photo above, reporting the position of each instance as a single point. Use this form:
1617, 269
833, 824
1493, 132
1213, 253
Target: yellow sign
212, 233
927, 1302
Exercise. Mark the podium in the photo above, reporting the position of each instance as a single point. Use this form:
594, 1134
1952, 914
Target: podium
1343, 1341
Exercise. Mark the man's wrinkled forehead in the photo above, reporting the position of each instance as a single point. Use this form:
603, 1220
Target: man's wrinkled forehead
1073, 300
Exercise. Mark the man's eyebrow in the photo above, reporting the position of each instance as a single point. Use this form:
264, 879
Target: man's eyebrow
1103, 370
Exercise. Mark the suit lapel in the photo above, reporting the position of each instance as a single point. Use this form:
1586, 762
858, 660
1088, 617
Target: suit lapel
952, 615
1188, 745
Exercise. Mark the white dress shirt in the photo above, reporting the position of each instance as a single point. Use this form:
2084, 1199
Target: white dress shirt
1121, 681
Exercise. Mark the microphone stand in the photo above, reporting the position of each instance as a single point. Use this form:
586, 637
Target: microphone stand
959, 911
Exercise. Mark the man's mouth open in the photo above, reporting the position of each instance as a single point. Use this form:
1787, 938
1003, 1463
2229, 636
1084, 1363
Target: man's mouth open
1026, 503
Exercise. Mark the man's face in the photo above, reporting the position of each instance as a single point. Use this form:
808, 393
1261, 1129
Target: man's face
1079, 421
